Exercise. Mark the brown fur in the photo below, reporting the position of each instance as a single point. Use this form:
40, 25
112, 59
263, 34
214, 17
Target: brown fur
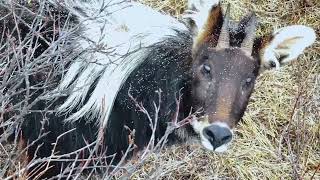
288, 42
224, 103
211, 29
223, 92
261, 43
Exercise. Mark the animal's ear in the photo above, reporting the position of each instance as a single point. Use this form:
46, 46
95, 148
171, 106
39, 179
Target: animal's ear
205, 20
285, 45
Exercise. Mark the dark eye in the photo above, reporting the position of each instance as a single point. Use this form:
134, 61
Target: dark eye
206, 69
248, 81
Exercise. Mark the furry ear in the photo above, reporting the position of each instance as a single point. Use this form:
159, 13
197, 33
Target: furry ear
285, 45
205, 19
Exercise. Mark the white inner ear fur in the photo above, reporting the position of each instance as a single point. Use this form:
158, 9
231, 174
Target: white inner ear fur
289, 42
198, 12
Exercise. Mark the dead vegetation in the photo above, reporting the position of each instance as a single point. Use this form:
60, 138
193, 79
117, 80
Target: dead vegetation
279, 137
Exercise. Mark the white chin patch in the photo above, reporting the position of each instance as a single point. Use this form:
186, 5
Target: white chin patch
219, 149
206, 143
222, 148
198, 127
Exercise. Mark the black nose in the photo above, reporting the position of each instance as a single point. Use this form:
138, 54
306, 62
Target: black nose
217, 135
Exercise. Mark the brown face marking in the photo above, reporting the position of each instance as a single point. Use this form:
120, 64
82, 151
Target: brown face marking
224, 103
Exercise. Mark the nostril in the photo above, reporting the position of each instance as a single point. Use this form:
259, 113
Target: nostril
208, 134
226, 139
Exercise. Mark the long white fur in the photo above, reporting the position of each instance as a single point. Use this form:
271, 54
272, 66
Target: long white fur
300, 38
125, 30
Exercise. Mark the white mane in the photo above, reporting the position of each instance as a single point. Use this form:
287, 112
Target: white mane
114, 39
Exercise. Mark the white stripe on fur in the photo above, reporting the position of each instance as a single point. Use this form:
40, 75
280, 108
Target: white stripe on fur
121, 29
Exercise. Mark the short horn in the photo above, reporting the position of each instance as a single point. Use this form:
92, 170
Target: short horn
247, 43
224, 39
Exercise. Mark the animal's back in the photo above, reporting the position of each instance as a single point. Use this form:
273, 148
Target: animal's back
110, 51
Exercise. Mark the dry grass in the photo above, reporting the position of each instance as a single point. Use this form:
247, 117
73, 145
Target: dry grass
279, 137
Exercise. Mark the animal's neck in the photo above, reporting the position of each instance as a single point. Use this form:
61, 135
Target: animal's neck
166, 69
